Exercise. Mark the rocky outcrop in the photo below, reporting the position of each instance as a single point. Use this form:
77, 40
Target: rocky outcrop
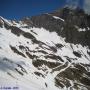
73, 21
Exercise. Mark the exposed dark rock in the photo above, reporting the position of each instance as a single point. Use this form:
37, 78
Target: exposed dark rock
34, 32
54, 49
73, 73
52, 56
38, 63
58, 83
19, 72
39, 74
69, 59
29, 36
27, 21
88, 52
70, 32
16, 51
42, 51
46, 85
47, 21
85, 81
16, 30
69, 72
30, 56
77, 54
61, 83
22, 69
21, 47
60, 67
59, 45
1, 23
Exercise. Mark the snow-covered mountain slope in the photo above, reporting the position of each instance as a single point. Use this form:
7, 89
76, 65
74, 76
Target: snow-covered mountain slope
34, 58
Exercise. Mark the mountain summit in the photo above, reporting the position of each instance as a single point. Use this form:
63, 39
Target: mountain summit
46, 52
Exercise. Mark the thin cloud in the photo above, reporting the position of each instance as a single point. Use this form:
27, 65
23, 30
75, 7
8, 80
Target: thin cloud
72, 3
87, 6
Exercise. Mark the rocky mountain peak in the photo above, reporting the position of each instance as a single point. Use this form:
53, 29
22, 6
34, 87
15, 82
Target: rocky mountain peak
46, 52
67, 23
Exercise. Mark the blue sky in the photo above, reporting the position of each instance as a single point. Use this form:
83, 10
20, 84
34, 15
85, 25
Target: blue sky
16, 9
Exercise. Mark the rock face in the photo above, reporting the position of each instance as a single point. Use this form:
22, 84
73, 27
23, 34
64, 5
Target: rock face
73, 20
46, 52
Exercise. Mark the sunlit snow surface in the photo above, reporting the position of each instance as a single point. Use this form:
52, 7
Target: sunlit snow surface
58, 18
10, 61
